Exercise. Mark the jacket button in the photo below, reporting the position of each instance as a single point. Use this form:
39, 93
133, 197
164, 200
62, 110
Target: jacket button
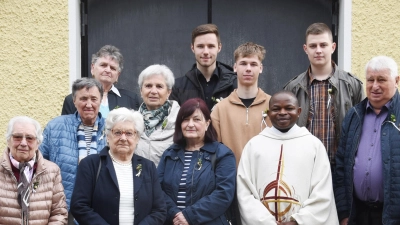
176, 157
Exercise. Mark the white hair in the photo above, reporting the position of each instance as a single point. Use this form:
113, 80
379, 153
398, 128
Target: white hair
123, 114
157, 69
382, 62
24, 119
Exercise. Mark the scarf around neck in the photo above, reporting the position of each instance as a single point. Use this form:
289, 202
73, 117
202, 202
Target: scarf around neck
83, 149
153, 118
25, 177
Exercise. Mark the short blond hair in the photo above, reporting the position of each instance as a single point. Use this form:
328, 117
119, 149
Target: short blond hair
250, 49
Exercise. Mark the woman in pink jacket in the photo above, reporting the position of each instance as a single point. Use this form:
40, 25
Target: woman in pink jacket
31, 191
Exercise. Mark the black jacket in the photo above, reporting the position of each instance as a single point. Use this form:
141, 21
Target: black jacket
128, 99
96, 196
188, 86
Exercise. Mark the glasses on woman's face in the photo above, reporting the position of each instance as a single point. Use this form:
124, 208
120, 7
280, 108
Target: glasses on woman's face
19, 137
119, 133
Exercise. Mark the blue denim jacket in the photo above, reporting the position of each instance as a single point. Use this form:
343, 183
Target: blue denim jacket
345, 159
209, 191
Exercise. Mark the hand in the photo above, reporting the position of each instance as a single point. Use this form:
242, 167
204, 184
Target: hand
287, 223
344, 221
180, 219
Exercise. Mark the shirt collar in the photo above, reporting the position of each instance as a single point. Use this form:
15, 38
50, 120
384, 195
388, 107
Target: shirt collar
115, 90
295, 128
215, 73
369, 106
311, 77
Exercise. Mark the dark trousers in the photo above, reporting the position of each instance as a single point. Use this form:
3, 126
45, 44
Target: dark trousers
368, 213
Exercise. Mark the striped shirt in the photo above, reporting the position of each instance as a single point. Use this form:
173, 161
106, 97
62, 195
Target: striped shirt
126, 202
321, 117
88, 137
181, 200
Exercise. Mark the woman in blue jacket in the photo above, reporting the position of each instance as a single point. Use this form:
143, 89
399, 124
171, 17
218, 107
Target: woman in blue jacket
197, 173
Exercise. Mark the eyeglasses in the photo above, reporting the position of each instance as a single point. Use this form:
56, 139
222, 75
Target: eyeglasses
19, 137
128, 133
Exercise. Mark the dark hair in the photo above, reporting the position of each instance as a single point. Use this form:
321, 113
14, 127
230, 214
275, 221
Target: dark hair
206, 29
186, 110
318, 28
87, 83
296, 102
249, 49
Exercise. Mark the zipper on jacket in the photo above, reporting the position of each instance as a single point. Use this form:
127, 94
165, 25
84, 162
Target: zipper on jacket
353, 162
247, 115
191, 187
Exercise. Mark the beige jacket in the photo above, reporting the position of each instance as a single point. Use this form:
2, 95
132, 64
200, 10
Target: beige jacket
154, 146
47, 202
235, 124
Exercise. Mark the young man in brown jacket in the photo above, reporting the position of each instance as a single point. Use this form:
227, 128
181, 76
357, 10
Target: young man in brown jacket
242, 115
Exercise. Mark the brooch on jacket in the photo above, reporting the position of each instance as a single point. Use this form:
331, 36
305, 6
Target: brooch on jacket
164, 124
102, 134
393, 118
216, 101
264, 115
198, 164
35, 185
393, 121
330, 93
138, 170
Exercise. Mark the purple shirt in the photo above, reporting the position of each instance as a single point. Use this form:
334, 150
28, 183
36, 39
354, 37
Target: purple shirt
367, 170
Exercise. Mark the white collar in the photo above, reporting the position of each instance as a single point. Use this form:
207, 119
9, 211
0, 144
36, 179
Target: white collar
291, 130
115, 90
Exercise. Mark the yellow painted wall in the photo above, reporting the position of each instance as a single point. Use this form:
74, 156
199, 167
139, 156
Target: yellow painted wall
375, 31
34, 56
34, 60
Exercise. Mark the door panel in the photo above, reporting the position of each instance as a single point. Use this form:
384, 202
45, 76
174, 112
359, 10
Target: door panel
279, 26
147, 32
159, 31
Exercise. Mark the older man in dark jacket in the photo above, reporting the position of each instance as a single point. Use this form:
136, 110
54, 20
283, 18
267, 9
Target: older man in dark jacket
367, 176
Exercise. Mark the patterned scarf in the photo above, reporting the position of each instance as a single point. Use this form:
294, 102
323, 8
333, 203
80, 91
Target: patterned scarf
85, 150
25, 177
152, 118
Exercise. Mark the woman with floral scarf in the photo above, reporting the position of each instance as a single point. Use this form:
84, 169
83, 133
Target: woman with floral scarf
158, 112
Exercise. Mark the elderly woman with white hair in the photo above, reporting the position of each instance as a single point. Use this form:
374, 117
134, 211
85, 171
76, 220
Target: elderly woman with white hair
31, 191
159, 113
117, 186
